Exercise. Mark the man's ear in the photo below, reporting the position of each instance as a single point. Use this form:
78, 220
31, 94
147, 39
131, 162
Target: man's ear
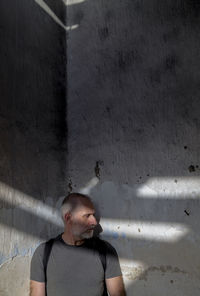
67, 217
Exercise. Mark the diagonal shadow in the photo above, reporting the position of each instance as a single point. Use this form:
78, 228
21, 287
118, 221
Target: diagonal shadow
59, 8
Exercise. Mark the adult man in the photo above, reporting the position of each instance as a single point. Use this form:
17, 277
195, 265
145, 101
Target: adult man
75, 265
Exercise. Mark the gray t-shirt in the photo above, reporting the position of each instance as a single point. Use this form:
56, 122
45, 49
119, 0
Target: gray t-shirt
74, 270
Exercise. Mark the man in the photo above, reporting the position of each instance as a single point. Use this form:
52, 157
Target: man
75, 266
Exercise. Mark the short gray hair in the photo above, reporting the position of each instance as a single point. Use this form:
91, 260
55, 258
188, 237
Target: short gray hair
71, 201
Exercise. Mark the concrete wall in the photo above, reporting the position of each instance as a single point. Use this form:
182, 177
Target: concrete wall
127, 134
33, 132
133, 121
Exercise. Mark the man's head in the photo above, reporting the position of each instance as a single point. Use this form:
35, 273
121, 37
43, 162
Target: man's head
78, 214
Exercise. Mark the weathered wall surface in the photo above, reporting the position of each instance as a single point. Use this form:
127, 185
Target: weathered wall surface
133, 120
33, 146
133, 133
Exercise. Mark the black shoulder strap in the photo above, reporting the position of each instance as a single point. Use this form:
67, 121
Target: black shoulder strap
102, 252
47, 251
101, 247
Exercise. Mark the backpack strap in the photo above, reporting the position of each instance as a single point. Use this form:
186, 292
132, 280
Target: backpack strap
100, 246
47, 251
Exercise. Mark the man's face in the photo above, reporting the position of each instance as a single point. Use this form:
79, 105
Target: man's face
83, 221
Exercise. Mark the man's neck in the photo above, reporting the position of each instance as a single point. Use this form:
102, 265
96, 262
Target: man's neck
70, 240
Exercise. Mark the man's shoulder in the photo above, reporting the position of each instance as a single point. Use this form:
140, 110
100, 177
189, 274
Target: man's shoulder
41, 248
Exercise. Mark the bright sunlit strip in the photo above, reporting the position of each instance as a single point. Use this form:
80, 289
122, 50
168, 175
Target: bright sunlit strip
153, 231
89, 186
132, 270
170, 187
132, 263
47, 9
23, 201
72, 2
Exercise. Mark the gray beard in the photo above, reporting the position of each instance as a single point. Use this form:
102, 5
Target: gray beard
87, 235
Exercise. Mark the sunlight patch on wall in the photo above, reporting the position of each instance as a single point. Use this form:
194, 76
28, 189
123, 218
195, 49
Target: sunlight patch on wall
18, 199
50, 12
89, 186
170, 187
72, 2
152, 231
132, 270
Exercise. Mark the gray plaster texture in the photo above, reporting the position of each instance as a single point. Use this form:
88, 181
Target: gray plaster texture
15, 277
133, 128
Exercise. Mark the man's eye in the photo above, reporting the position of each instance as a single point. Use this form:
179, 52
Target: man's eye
87, 215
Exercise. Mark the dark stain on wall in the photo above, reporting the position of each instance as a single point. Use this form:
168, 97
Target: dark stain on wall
186, 212
191, 168
163, 269
167, 67
171, 62
126, 59
70, 186
103, 33
99, 163
97, 170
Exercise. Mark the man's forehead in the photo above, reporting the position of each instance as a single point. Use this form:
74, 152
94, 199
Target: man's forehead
85, 204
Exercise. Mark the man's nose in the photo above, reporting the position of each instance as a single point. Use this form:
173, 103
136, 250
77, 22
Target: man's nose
93, 220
